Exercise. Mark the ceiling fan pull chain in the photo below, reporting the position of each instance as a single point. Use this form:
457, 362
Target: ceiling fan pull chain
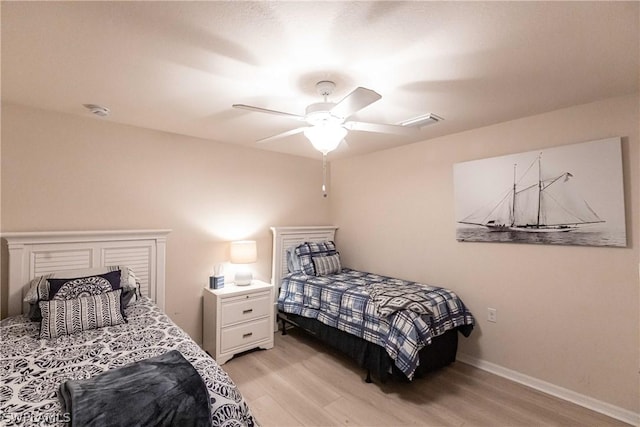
324, 175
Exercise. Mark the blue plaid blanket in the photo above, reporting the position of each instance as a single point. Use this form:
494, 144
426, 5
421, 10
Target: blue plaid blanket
400, 316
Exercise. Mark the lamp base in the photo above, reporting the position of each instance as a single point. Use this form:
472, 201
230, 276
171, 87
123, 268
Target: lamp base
243, 278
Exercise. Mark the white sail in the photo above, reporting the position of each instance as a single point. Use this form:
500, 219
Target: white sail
550, 204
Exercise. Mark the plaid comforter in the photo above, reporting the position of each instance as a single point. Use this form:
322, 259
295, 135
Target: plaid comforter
400, 316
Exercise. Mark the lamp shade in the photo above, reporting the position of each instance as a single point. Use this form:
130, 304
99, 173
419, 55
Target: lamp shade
325, 136
243, 252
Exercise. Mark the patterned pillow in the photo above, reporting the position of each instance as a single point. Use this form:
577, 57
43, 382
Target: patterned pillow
39, 288
308, 250
325, 265
83, 286
63, 289
66, 317
293, 261
131, 292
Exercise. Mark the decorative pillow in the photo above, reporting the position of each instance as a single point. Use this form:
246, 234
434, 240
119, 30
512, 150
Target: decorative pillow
83, 286
66, 317
308, 250
133, 293
293, 261
39, 288
325, 265
66, 289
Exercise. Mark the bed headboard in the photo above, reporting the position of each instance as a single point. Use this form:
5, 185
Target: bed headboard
33, 254
286, 237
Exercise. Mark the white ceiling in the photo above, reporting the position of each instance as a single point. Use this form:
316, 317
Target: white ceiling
179, 66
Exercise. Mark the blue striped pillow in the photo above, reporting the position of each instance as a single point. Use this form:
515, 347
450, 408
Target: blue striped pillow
325, 265
308, 250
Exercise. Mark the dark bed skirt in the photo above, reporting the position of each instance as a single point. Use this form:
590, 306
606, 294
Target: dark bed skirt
372, 357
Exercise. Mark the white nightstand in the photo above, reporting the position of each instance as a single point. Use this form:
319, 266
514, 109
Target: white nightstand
237, 318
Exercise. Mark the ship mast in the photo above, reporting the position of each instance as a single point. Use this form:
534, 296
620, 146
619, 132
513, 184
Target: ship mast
539, 188
513, 204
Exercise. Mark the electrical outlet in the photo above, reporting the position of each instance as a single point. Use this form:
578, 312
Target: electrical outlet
492, 315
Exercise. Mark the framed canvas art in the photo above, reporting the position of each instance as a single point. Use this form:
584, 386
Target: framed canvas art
566, 195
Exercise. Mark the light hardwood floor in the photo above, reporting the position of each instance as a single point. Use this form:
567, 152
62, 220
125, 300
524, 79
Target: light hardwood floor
301, 382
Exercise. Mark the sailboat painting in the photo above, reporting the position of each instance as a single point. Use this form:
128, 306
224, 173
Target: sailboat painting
566, 195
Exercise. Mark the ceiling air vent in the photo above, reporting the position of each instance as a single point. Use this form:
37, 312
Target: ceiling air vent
420, 121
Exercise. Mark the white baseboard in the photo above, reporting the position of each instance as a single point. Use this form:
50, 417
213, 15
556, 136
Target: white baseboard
554, 390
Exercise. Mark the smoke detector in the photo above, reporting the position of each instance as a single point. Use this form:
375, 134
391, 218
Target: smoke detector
97, 110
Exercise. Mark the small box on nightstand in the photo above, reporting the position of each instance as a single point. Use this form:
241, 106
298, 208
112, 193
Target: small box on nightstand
216, 282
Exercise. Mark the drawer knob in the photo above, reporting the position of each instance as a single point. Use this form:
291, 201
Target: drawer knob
247, 311
247, 335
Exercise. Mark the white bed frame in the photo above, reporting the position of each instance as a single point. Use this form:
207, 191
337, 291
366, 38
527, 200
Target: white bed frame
287, 237
33, 254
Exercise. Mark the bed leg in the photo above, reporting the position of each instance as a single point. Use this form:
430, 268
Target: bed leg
284, 327
368, 379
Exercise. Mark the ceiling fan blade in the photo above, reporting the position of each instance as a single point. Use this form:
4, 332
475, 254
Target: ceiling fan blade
264, 110
381, 128
359, 98
282, 135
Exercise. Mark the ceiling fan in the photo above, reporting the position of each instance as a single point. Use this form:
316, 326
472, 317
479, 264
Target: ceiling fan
327, 122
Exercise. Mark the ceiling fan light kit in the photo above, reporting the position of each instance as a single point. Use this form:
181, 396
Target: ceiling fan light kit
325, 137
332, 117
328, 125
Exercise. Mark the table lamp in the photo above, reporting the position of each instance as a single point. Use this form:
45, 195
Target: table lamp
243, 252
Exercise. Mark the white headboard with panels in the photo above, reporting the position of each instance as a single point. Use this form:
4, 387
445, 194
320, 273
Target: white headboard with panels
33, 254
286, 237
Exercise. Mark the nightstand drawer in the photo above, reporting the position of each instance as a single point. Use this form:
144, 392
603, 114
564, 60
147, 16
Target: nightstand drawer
245, 307
245, 333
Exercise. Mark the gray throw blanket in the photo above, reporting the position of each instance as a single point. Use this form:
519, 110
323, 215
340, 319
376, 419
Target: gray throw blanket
165, 390
395, 295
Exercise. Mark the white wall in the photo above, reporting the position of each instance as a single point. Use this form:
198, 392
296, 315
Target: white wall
62, 172
567, 315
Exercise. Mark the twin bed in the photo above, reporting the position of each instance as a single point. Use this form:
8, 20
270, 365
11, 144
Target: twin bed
34, 368
390, 327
